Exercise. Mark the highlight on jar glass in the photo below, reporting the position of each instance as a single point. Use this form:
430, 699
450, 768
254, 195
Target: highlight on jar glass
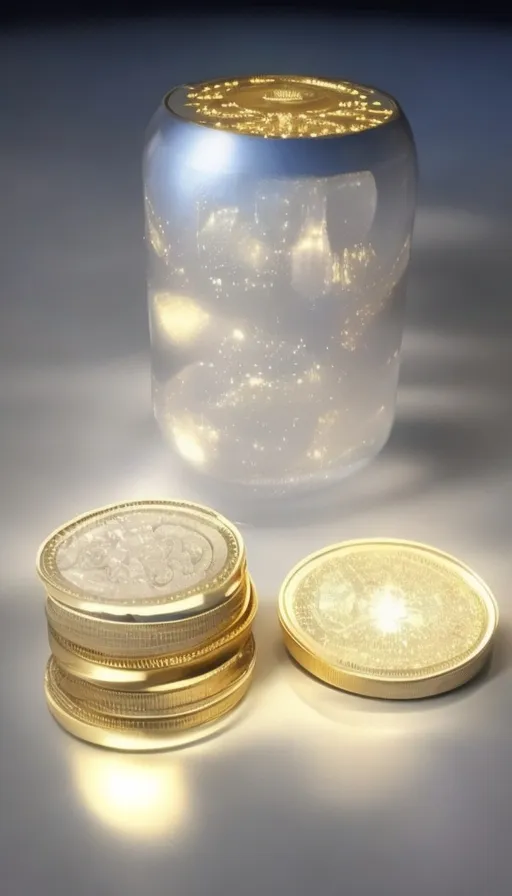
279, 213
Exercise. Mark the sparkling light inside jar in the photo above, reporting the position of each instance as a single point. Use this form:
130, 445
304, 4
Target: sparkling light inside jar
279, 213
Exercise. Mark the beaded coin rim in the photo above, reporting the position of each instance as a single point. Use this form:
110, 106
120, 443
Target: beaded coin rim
152, 638
151, 672
145, 736
174, 698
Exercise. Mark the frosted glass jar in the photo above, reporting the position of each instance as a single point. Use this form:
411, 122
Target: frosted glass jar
279, 213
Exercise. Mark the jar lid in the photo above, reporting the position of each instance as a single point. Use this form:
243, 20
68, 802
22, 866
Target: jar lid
283, 106
278, 125
387, 618
144, 559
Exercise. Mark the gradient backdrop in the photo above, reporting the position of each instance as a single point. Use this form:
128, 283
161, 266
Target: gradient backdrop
309, 790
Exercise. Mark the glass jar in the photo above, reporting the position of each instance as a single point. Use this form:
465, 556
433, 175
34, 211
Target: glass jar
279, 213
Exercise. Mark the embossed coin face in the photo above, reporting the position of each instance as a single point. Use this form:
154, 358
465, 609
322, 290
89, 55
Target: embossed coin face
283, 106
387, 618
143, 558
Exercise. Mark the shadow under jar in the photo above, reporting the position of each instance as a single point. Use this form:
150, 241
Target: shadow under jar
279, 213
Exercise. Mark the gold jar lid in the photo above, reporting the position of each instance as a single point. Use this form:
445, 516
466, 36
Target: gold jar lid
125, 638
146, 673
139, 734
176, 697
387, 618
283, 106
143, 559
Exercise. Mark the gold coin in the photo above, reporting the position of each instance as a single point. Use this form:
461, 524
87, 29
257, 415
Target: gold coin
124, 638
170, 699
387, 618
143, 558
283, 106
146, 673
139, 734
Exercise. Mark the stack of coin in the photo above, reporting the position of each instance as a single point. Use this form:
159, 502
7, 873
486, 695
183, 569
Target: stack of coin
150, 610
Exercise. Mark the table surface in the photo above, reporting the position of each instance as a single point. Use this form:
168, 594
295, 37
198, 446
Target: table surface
309, 789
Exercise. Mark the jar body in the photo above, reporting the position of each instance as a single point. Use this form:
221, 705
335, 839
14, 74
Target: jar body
276, 297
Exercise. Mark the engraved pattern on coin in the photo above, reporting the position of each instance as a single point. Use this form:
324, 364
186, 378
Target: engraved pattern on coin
281, 106
389, 612
141, 554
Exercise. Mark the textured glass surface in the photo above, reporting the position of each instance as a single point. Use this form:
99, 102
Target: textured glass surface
276, 286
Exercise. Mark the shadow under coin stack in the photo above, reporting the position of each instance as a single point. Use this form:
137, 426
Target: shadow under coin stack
150, 610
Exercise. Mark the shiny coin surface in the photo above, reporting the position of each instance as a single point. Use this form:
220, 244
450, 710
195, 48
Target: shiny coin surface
387, 618
189, 692
143, 558
145, 673
125, 638
139, 734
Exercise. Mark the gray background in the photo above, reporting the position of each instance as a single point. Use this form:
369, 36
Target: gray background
308, 790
